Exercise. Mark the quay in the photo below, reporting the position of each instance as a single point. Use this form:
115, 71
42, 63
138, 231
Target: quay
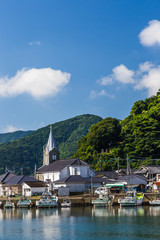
85, 199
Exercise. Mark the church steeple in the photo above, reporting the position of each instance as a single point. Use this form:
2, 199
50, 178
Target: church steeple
50, 152
51, 143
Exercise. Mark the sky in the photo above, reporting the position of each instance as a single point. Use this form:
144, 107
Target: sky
64, 58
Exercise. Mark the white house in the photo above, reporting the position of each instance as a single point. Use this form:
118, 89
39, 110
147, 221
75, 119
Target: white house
33, 188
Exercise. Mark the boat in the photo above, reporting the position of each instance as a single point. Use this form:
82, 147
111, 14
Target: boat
9, 204
66, 203
103, 200
47, 201
24, 202
155, 202
132, 198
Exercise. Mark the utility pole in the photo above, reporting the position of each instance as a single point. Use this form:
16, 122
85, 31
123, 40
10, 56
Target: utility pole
127, 165
118, 165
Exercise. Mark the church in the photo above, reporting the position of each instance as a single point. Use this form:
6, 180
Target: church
72, 173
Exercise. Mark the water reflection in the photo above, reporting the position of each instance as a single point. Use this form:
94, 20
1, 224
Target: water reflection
75, 212
80, 223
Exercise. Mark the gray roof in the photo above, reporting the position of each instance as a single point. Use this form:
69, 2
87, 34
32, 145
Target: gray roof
6, 177
20, 179
127, 177
71, 179
107, 174
149, 169
58, 165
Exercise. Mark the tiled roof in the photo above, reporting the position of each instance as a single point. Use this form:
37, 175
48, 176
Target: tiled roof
58, 165
19, 180
6, 177
71, 179
127, 177
108, 174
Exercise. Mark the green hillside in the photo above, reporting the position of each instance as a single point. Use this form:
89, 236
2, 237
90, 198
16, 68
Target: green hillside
137, 136
8, 137
27, 151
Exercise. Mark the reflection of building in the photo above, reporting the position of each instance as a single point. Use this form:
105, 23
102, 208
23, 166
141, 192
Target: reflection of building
58, 172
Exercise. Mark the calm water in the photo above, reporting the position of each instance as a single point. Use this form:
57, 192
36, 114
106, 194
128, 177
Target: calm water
80, 223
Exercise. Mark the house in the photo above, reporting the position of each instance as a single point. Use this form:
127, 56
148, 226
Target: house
31, 188
55, 169
151, 172
14, 185
5, 178
133, 179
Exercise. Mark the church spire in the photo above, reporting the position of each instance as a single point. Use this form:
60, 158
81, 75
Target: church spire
50, 152
51, 142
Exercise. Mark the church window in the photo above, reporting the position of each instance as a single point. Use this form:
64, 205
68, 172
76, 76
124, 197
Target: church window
75, 171
54, 157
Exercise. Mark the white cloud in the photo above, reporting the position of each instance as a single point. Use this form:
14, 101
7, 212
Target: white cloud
10, 128
119, 74
106, 80
122, 74
34, 43
147, 76
95, 94
102, 93
145, 67
150, 35
38, 83
150, 81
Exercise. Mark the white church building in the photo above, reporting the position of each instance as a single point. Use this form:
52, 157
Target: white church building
71, 173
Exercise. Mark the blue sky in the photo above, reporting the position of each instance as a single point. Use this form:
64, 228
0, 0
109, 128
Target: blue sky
63, 58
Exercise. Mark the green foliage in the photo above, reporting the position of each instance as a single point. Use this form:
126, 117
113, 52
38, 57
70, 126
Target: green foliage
102, 136
8, 137
138, 135
27, 151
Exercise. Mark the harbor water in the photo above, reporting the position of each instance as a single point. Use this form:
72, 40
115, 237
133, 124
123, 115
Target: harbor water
80, 223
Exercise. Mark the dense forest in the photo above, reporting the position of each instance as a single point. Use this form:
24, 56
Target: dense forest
27, 151
110, 142
11, 136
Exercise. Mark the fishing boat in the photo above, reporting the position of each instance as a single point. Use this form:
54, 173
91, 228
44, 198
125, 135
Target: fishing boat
132, 198
24, 202
155, 202
9, 204
103, 200
66, 203
47, 201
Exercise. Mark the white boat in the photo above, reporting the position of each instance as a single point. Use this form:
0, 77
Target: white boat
155, 202
103, 201
132, 198
66, 203
9, 204
47, 201
24, 202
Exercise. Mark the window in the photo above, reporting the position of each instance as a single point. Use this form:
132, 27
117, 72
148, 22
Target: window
75, 171
54, 157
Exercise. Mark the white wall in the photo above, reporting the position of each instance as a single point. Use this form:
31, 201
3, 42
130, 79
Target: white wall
73, 187
53, 176
28, 191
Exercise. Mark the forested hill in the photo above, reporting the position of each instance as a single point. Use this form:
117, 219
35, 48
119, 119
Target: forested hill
27, 151
137, 136
8, 137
